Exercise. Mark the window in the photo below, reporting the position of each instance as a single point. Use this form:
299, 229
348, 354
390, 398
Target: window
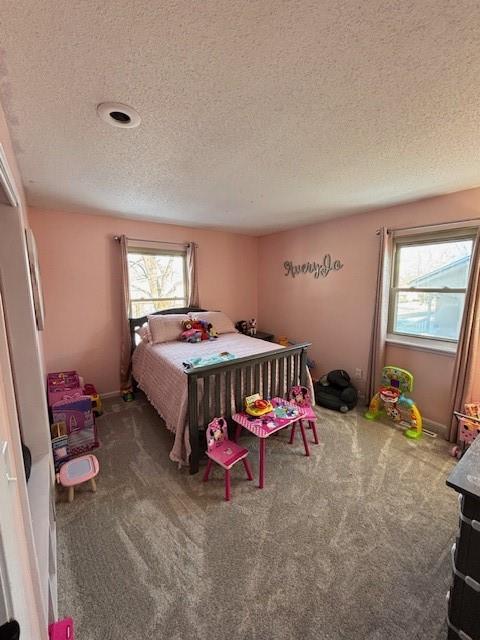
429, 281
157, 280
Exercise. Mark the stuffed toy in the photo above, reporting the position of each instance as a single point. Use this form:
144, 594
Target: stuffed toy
242, 326
191, 332
197, 331
252, 327
212, 332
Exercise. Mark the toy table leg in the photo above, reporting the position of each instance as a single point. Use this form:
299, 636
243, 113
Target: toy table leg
238, 431
313, 427
304, 438
227, 484
246, 464
71, 493
261, 483
93, 485
292, 433
207, 470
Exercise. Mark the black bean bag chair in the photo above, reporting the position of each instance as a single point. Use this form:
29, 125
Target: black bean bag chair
335, 391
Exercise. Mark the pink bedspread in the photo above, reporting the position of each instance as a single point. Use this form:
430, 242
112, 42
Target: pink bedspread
160, 374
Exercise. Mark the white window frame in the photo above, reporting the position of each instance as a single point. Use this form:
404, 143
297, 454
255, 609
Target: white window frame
433, 343
141, 250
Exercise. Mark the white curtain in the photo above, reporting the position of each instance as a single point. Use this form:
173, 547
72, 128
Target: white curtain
468, 343
193, 298
126, 340
376, 360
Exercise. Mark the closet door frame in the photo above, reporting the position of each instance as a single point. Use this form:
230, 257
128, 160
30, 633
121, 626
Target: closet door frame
20, 593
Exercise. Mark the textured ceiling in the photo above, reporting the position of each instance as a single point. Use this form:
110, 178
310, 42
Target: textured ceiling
256, 114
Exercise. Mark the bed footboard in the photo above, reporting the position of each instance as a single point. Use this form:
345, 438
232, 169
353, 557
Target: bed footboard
220, 389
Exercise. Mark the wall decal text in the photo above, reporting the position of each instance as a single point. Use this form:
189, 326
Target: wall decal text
316, 268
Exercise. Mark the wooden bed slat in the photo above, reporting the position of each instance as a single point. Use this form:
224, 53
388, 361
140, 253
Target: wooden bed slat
227, 395
281, 378
217, 381
257, 379
274, 377
238, 389
289, 372
206, 400
265, 372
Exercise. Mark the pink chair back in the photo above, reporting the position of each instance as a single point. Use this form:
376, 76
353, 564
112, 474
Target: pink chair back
300, 396
216, 433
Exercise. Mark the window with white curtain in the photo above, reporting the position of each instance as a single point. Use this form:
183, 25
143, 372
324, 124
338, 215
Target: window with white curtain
157, 280
429, 281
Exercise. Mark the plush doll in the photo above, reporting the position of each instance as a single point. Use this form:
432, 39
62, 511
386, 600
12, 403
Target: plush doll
252, 327
242, 326
190, 333
212, 332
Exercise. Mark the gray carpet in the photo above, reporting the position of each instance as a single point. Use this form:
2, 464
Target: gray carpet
352, 543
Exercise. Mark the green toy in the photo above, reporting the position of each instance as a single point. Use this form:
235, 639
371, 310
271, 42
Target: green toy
390, 400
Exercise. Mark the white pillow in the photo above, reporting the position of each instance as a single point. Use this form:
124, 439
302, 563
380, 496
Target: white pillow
144, 333
221, 322
166, 328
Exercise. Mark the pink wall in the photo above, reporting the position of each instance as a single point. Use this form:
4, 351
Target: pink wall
335, 313
80, 269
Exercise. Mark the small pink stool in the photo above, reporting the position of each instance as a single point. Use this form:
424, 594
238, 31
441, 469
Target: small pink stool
224, 452
301, 397
61, 630
78, 471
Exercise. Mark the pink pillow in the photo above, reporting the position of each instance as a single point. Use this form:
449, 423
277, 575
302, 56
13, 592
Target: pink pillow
166, 328
221, 322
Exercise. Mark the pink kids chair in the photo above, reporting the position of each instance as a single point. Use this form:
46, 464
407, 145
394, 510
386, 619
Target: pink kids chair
224, 452
78, 471
61, 630
301, 397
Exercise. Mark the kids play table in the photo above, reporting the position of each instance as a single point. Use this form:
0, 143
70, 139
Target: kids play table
283, 415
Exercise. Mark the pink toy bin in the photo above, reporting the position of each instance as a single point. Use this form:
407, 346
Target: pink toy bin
61, 630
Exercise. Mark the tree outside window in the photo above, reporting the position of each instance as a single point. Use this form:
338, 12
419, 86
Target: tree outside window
157, 281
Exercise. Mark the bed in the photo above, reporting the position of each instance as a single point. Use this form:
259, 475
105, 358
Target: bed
188, 399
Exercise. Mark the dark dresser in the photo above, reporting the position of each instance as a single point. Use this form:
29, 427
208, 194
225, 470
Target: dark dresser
464, 594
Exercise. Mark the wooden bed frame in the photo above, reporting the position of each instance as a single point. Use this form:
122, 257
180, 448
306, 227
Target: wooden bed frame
210, 386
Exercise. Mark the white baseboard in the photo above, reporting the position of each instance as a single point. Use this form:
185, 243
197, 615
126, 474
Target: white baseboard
110, 394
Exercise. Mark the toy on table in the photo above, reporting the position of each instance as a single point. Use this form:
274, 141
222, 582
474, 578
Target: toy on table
468, 428
224, 452
266, 425
391, 400
78, 471
256, 406
61, 630
300, 396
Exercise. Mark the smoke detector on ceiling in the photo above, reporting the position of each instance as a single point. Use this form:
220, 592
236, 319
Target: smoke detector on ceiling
118, 115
